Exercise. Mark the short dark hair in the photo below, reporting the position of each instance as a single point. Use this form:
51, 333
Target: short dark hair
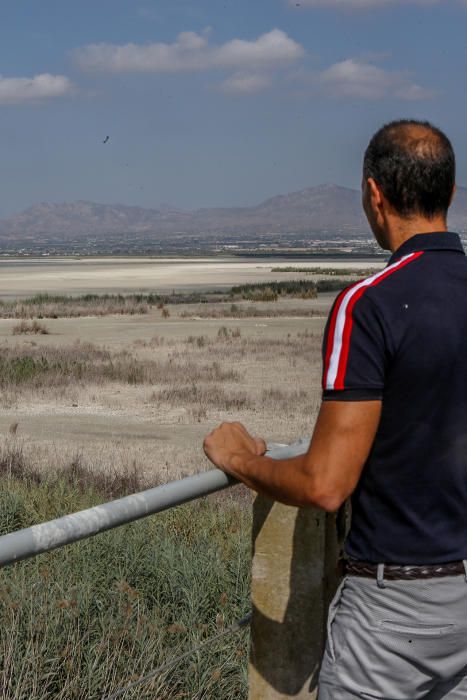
414, 164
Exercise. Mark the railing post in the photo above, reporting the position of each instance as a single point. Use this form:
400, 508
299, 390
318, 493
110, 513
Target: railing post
294, 577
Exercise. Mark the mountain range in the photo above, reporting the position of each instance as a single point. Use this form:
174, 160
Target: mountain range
326, 209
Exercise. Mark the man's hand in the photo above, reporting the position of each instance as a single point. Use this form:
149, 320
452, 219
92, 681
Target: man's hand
325, 476
230, 444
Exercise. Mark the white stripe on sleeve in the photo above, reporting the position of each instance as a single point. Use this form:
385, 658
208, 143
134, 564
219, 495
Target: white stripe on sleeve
342, 320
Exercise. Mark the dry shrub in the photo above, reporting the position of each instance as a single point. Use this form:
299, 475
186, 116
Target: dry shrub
271, 291
266, 294
309, 294
14, 464
34, 327
199, 340
51, 366
109, 484
288, 402
212, 396
229, 345
224, 337
227, 334
302, 346
250, 311
49, 306
156, 341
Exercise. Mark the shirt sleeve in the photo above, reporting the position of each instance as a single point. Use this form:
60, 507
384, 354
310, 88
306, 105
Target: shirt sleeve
354, 349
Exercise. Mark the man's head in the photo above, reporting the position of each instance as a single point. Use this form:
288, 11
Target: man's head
408, 178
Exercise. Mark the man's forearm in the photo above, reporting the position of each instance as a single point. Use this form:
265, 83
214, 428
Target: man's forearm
287, 480
325, 476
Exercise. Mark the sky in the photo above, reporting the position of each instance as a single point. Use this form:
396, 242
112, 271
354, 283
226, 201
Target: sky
215, 102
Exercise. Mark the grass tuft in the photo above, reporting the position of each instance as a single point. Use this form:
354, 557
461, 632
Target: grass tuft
33, 327
48, 366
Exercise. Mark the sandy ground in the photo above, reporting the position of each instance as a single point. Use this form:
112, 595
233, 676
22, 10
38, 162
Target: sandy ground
19, 278
117, 331
120, 426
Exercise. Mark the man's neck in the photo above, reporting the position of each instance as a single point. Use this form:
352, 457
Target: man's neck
400, 230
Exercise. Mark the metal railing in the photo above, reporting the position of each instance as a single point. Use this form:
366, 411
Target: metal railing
31, 541
34, 540
67, 529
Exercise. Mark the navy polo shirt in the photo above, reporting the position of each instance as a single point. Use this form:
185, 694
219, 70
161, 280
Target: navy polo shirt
401, 336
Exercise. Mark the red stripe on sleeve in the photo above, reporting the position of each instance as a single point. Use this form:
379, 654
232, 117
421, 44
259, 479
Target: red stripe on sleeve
331, 331
344, 356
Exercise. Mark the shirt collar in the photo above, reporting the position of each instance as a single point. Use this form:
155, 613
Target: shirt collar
444, 240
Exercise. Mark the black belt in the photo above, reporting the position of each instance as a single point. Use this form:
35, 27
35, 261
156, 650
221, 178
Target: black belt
395, 572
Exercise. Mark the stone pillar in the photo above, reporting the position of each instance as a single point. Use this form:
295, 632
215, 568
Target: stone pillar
294, 577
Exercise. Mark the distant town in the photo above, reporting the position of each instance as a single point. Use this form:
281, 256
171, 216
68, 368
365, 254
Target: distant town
180, 244
324, 220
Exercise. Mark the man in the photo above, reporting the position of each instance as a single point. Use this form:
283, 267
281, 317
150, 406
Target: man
391, 432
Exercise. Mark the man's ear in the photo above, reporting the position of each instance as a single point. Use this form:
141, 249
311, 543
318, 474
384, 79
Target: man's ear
376, 195
453, 194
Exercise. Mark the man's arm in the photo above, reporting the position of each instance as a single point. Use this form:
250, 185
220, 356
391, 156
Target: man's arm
325, 476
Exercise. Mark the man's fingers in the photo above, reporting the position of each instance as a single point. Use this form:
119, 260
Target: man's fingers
229, 438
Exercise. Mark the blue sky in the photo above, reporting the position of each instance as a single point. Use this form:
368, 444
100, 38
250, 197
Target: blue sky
215, 102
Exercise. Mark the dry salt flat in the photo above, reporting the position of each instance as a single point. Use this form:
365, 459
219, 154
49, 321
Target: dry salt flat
20, 277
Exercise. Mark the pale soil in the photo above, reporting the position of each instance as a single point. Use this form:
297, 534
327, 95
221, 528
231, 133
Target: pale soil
113, 425
20, 278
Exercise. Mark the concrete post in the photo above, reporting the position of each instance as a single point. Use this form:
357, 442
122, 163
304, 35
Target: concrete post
287, 596
294, 577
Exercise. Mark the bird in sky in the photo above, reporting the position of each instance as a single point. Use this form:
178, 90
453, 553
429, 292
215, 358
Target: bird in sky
106, 139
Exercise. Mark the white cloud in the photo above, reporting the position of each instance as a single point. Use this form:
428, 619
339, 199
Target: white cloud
246, 83
40, 87
191, 52
358, 4
273, 48
415, 92
357, 78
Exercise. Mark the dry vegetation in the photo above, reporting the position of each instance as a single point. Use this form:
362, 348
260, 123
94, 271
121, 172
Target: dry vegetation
55, 366
123, 409
32, 328
329, 271
271, 384
249, 310
86, 619
51, 306
83, 621
193, 375
17, 465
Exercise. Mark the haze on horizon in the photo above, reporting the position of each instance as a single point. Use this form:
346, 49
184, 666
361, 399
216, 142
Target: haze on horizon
215, 104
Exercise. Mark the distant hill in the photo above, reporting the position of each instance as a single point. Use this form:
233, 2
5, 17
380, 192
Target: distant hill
327, 209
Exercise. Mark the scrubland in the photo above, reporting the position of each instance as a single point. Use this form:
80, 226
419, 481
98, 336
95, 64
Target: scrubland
50, 306
99, 407
85, 620
146, 391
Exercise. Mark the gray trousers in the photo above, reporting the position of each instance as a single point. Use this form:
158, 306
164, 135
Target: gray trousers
403, 642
